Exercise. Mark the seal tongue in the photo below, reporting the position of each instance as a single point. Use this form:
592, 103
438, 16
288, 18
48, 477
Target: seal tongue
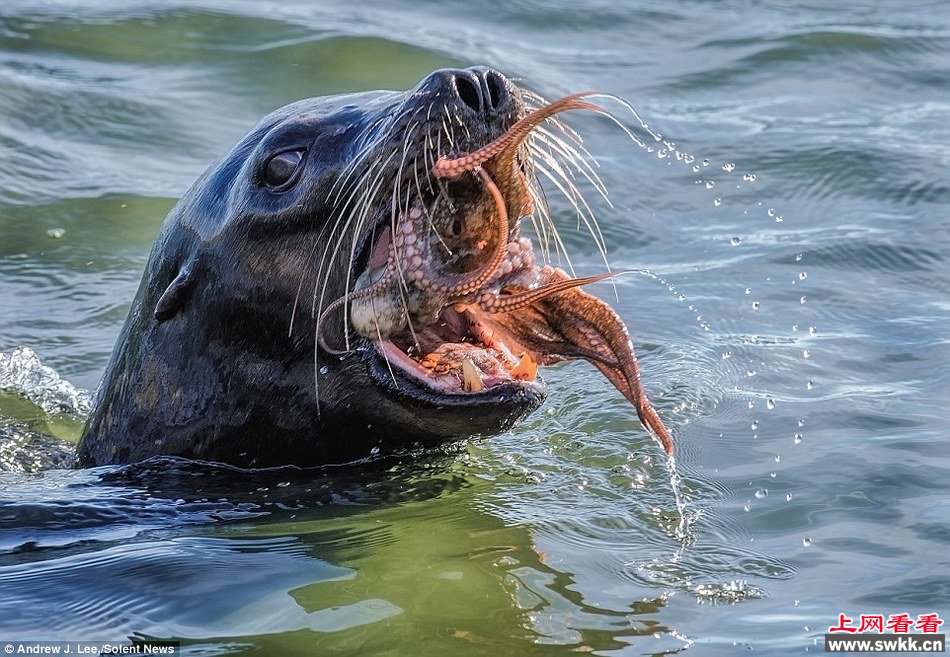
574, 324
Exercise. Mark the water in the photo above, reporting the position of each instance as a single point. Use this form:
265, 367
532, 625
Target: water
791, 331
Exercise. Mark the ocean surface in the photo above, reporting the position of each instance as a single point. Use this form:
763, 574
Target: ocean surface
790, 229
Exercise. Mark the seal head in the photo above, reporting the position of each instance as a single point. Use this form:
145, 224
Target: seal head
217, 359
352, 279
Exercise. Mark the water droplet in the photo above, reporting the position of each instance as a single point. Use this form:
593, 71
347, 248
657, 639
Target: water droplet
748, 290
729, 167
695, 168
756, 305
56, 233
773, 475
736, 241
802, 275
374, 451
802, 300
749, 177
762, 492
794, 327
806, 542
750, 373
726, 355
662, 153
798, 439
798, 258
681, 297
754, 425
801, 422
771, 212
751, 403
717, 201
747, 508
809, 385
812, 330
779, 219
710, 184
806, 353
778, 458
706, 162
324, 369
788, 498
688, 158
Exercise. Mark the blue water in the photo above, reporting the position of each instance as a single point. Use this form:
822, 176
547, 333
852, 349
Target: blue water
790, 323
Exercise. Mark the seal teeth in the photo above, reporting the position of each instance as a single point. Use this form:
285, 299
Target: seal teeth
526, 369
472, 381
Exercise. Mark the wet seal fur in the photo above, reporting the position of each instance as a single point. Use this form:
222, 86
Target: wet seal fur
206, 365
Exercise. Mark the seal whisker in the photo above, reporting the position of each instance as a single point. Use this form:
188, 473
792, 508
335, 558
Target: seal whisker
425, 209
573, 195
539, 203
303, 275
554, 143
403, 285
368, 149
367, 205
570, 133
368, 197
379, 336
540, 224
537, 101
548, 219
339, 185
567, 176
575, 159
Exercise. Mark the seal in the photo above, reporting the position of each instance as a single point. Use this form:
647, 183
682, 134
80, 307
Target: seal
351, 279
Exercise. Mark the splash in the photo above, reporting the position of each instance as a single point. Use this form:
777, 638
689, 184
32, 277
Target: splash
22, 373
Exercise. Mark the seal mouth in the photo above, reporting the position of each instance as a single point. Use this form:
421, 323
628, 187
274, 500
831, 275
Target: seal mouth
461, 354
451, 300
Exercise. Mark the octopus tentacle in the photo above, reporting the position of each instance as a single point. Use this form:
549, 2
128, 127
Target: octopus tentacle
595, 323
377, 287
453, 167
468, 283
491, 301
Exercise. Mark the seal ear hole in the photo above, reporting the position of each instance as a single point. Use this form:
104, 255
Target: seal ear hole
280, 171
176, 295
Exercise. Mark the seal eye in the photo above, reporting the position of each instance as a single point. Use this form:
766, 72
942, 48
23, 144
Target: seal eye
281, 168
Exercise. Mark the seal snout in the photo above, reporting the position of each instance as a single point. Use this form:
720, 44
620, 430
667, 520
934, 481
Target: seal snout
474, 94
485, 91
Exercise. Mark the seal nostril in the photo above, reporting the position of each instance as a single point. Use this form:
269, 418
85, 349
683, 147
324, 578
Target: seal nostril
468, 92
496, 90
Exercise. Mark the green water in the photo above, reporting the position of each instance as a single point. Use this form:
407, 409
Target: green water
791, 331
